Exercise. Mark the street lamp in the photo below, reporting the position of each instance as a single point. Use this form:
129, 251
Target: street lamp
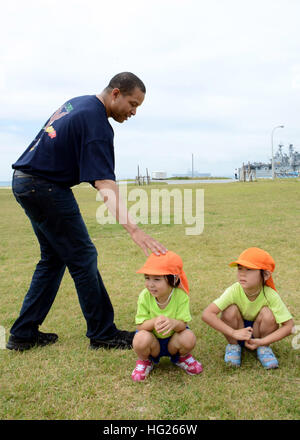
192, 165
273, 171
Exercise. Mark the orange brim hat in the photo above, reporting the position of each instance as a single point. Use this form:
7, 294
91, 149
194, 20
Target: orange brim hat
256, 258
166, 264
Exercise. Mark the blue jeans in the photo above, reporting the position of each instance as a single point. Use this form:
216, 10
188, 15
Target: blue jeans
64, 242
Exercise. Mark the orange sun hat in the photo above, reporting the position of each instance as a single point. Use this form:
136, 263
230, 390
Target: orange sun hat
166, 264
256, 258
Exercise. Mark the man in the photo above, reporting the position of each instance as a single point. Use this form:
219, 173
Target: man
75, 145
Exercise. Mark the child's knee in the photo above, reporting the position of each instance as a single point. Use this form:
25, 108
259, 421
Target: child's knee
230, 313
185, 339
142, 339
266, 314
191, 340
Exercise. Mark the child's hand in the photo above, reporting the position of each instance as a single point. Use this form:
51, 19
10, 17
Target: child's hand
164, 325
252, 344
243, 334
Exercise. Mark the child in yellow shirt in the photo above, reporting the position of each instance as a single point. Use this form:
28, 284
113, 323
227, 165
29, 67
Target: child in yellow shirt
252, 313
162, 315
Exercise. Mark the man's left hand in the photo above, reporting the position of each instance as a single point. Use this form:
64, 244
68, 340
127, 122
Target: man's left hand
146, 242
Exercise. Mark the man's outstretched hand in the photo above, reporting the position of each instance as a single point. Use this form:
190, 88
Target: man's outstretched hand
109, 192
147, 243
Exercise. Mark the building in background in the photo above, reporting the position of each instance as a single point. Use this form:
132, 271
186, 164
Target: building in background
157, 175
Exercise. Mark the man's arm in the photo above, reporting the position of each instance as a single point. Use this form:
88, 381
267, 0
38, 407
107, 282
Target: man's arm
109, 191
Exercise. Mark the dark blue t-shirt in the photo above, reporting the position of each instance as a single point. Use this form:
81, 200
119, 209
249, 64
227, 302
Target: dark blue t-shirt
75, 145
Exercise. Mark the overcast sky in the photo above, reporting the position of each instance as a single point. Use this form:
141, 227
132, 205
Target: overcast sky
220, 75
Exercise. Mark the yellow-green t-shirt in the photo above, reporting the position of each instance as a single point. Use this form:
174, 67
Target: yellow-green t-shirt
250, 309
177, 308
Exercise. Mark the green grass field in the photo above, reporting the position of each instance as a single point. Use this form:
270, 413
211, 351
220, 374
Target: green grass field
70, 381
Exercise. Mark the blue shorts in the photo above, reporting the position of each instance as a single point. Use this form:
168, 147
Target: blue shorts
164, 351
246, 324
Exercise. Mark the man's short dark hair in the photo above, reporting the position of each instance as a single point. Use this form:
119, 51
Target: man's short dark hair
126, 82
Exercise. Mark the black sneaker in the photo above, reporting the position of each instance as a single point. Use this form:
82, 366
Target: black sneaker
41, 340
122, 340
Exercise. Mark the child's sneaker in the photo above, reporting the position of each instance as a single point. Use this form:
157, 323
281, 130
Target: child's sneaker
189, 364
233, 355
142, 369
266, 357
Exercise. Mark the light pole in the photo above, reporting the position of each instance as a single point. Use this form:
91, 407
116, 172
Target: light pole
273, 170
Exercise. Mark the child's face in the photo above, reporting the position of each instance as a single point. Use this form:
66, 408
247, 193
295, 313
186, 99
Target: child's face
157, 285
249, 279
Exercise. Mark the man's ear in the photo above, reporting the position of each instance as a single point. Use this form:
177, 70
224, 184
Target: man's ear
115, 93
267, 274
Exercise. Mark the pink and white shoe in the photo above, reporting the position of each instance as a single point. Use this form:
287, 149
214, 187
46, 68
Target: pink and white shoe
142, 369
189, 364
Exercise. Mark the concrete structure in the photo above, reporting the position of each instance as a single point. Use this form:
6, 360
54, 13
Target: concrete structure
192, 174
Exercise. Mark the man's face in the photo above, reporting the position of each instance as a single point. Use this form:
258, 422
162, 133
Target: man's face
124, 106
